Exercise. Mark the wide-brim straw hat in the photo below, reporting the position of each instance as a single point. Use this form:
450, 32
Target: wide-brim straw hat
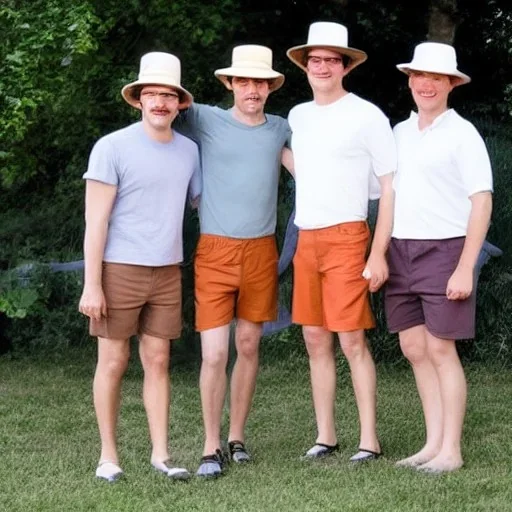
251, 61
437, 58
330, 36
158, 68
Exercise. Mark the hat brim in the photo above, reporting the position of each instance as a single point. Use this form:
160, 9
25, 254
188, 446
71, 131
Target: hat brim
128, 90
276, 79
298, 55
461, 77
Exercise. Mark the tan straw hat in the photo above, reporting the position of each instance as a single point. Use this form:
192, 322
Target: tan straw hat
158, 68
328, 35
435, 58
251, 61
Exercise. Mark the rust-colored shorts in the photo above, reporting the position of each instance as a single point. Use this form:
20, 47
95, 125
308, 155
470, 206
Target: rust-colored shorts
140, 300
328, 287
235, 277
415, 294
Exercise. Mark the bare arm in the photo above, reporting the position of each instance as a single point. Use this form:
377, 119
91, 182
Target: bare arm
460, 284
376, 270
287, 160
99, 199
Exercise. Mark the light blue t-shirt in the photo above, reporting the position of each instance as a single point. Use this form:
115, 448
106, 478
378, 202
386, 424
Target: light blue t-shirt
240, 169
152, 180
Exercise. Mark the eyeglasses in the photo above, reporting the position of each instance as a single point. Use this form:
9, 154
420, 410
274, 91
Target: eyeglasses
166, 96
329, 61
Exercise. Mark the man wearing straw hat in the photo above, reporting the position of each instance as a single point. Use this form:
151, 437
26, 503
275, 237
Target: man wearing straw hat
343, 149
236, 256
443, 208
138, 179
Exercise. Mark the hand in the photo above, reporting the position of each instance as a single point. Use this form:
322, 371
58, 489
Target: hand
460, 284
376, 271
93, 303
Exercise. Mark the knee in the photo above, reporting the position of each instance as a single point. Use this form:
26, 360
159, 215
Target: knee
247, 346
215, 359
439, 351
156, 362
353, 344
319, 342
414, 351
113, 366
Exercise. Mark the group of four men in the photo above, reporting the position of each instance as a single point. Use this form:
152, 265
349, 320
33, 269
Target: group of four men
434, 180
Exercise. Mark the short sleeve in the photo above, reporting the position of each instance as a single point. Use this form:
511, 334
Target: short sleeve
473, 162
103, 163
380, 142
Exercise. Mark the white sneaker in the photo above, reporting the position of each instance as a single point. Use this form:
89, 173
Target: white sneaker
167, 469
109, 471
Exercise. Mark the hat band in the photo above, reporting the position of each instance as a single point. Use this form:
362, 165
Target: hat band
251, 64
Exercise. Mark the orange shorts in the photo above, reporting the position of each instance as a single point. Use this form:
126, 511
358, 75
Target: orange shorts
140, 300
328, 287
235, 277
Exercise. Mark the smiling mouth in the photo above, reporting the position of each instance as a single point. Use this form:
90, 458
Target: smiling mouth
252, 98
424, 94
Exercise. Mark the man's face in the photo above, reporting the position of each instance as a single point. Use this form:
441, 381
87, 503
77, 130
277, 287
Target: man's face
430, 90
250, 94
325, 69
159, 105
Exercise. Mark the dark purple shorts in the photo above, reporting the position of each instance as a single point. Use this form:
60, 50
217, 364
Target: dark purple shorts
415, 293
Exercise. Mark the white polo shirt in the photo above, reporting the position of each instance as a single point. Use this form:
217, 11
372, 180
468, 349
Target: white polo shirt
439, 168
339, 151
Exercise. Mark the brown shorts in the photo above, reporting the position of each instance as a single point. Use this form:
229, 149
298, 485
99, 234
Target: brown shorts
140, 300
328, 287
235, 277
415, 293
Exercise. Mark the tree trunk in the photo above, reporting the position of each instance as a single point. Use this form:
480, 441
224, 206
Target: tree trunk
443, 21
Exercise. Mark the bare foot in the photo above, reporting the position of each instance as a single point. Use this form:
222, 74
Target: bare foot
423, 456
441, 464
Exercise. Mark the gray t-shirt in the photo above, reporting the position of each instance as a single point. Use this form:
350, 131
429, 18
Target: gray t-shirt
152, 179
240, 168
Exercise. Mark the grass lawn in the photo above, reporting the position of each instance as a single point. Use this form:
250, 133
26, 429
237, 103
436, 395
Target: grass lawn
49, 445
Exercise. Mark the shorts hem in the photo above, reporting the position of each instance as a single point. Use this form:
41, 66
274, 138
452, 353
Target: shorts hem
350, 328
451, 336
158, 335
403, 327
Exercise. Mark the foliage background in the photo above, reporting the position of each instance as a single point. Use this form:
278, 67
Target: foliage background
63, 63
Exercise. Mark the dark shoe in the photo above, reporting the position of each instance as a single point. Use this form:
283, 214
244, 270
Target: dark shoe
238, 452
211, 466
320, 450
365, 456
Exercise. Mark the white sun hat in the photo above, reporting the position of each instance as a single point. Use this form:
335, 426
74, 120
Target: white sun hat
328, 35
158, 68
251, 61
435, 58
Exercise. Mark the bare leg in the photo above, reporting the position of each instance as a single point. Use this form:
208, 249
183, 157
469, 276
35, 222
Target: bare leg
113, 356
154, 355
320, 348
364, 380
413, 343
243, 377
452, 383
212, 383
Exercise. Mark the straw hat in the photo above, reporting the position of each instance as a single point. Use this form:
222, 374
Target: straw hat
251, 61
328, 35
158, 68
435, 58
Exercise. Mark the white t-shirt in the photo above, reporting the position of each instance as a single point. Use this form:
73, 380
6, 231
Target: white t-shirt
439, 168
339, 151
